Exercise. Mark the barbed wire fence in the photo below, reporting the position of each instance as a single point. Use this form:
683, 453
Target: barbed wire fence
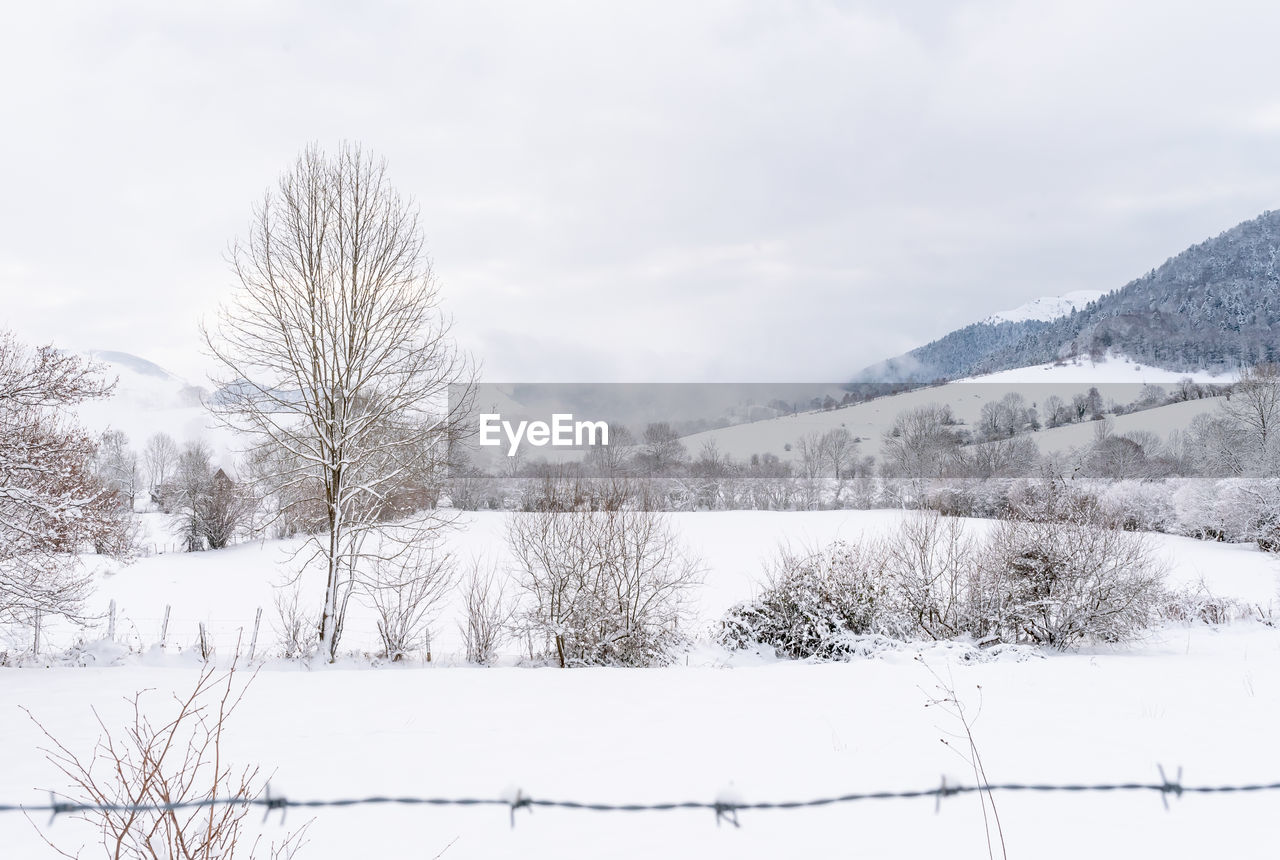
725, 809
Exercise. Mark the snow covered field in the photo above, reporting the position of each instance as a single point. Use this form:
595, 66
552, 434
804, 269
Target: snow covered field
1203, 698
1119, 380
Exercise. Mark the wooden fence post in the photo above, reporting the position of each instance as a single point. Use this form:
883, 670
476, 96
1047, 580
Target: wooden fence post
111, 621
164, 626
253, 643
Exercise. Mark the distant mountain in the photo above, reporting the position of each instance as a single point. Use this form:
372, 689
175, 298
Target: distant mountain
147, 383
1214, 308
149, 399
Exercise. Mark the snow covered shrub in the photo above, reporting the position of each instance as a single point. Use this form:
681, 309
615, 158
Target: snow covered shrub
1249, 510
603, 587
953, 499
817, 604
1196, 603
1196, 512
1062, 582
296, 627
1145, 506
929, 562
1050, 498
404, 589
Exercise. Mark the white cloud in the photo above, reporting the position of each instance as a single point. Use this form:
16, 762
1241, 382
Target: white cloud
680, 190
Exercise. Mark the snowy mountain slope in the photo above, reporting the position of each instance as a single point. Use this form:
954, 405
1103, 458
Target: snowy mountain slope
149, 399
1047, 307
1215, 306
1116, 378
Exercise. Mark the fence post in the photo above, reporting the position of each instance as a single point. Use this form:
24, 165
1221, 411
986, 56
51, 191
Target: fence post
204, 644
253, 643
164, 626
35, 645
111, 621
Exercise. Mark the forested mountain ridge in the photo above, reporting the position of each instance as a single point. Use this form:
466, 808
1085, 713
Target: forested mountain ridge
1214, 307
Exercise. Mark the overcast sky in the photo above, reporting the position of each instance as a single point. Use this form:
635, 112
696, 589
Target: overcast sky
641, 191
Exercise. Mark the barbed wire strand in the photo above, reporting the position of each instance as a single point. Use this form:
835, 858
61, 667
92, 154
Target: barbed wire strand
725, 810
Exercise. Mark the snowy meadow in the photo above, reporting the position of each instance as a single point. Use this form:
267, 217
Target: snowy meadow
717, 724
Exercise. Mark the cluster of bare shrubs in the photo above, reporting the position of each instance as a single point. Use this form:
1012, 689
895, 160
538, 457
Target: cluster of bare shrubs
602, 587
488, 612
403, 586
1056, 582
588, 588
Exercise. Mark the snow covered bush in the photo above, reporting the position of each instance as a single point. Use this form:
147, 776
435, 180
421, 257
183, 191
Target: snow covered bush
817, 604
929, 562
1195, 509
1062, 582
953, 498
1145, 506
603, 587
296, 626
1197, 604
1231, 509
1249, 510
403, 589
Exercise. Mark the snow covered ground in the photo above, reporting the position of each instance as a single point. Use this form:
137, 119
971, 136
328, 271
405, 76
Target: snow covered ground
1203, 698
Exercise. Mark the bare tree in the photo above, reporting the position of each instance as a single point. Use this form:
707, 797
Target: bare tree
606, 587
1254, 405
335, 355
117, 464
159, 458
839, 451
922, 444
809, 447
1218, 446
50, 501
610, 461
661, 450
1002, 458
1001, 419
489, 612
208, 508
